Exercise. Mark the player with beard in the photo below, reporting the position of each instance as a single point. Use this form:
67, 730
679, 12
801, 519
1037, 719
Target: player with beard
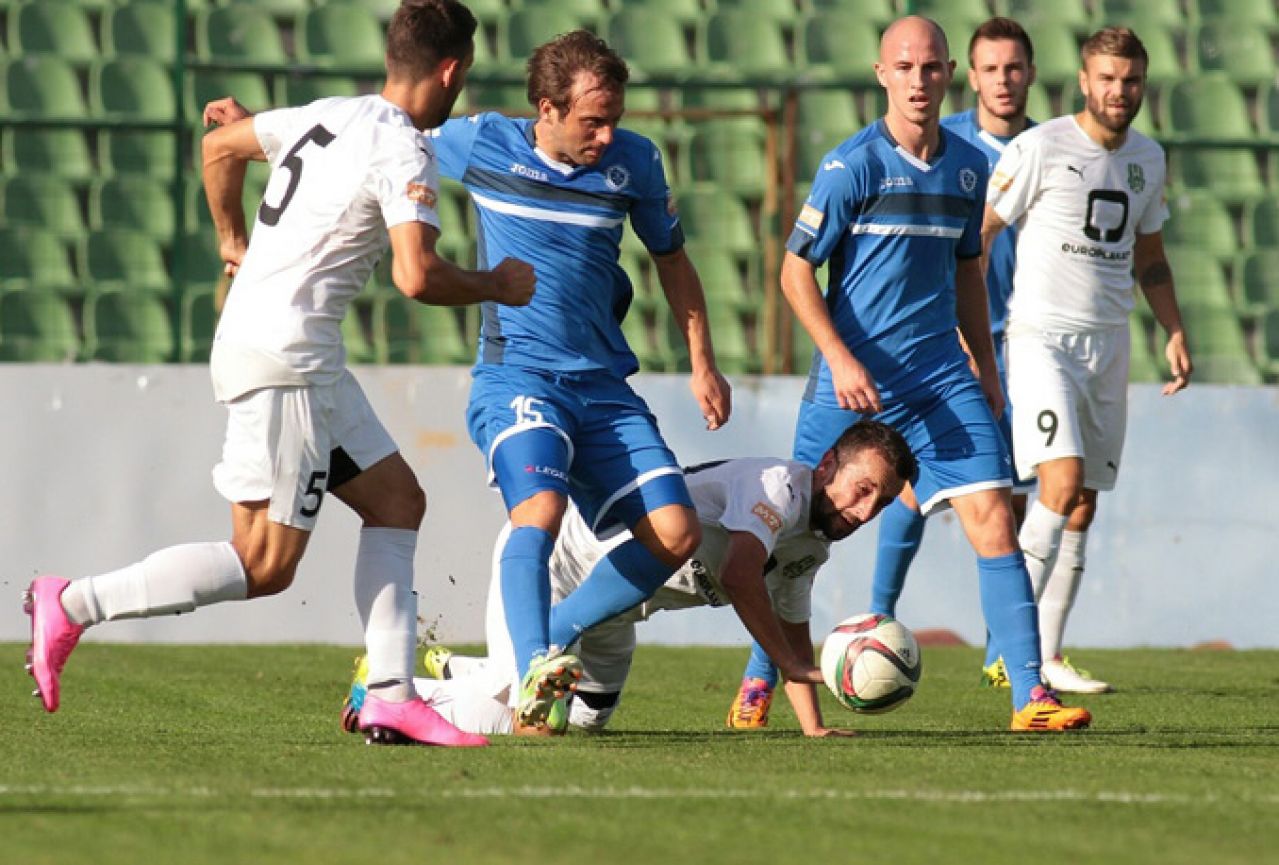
1086, 193
767, 526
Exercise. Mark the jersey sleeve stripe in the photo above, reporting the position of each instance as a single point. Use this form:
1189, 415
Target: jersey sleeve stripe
909, 230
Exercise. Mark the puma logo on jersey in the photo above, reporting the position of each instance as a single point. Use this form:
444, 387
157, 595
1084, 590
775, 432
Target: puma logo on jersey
1076, 170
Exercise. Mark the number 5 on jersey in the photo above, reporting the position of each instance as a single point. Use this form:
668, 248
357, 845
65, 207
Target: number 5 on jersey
293, 162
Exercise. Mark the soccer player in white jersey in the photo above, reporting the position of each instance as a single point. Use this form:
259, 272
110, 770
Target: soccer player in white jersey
345, 174
1087, 194
767, 526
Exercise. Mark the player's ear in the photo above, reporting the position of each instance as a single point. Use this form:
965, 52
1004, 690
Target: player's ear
1031, 74
547, 111
450, 68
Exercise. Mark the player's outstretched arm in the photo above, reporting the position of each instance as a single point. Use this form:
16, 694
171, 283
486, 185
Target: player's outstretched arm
973, 312
226, 153
1155, 277
854, 387
683, 290
803, 695
422, 275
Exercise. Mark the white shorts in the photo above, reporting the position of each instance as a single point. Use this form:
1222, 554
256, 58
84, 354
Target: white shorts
1069, 396
291, 444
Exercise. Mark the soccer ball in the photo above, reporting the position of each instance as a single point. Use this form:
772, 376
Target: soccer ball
871, 663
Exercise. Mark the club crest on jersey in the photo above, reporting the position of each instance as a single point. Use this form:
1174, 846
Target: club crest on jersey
1136, 178
768, 516
967, 179
420, 193
617, 177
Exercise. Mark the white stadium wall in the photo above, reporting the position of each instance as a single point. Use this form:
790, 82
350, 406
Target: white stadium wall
106, 463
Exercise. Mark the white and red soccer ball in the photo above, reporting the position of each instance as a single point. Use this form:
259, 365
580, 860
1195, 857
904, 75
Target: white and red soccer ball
871, 663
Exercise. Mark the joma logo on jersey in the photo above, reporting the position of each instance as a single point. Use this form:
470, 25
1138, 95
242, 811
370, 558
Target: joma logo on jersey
1136, 178
891, 182
768, 516
531, 173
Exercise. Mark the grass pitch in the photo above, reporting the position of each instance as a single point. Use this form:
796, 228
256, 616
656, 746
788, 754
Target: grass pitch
234, 755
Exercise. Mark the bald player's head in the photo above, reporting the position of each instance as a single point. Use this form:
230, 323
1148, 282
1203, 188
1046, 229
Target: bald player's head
914, 69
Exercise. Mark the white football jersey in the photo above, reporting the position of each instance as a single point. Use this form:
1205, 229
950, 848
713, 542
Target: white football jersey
1078, 208
769, 498
343, 171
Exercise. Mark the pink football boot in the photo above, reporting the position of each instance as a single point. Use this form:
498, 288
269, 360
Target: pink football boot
53, 636
411, 722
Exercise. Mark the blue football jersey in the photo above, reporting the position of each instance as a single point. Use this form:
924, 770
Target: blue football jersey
893, 227
1003, 253
567, 222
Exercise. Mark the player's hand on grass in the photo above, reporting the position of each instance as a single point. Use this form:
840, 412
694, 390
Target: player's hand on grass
1178, 356
514, 282
829, 733
714, 396
854, 387
223, 111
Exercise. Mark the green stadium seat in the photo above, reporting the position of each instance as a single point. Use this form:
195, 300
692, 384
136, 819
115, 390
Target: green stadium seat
52, 27
725, 281
1241, 52
405, 331
650, 41
303, 89
781, 11
1142, 366
44, 85
37, 327
972, 12
730, 152
43, 201
1233, 174
123, 260
826, 118
205, 85
1217, 347
638, 329
197, 266
748, 44
134, 203
143, 27
1261, 222
1137, 13
879, 12
711, 214
60, 152
1033, 13
586, 13
197, 321
1268, 335
128, 327
687, 12
1258, 282
134, 88
511, 98
239, 32
35, 259
529, 27
1056, 54
1200, 280
138, 151
384, 9
340, 34
1198, 219
846, 45
1257, 13
284, 11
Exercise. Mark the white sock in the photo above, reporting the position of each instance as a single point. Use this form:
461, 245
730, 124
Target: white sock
387, 604
1059, 595
173, 580
1040, 539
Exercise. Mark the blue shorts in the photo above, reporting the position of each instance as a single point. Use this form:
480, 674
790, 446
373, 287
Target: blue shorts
585, 435
948, 426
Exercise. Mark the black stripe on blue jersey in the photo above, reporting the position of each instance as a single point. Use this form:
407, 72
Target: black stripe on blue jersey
514, 184
912, 203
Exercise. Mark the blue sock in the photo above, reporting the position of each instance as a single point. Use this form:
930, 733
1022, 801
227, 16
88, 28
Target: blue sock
526, 592
627, 576
900, 531
1009, 607
760, 666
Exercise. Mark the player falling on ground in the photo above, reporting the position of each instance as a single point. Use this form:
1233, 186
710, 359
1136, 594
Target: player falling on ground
1001, 70
550, 406
345, 173
767, 527
1087, 194
897, 210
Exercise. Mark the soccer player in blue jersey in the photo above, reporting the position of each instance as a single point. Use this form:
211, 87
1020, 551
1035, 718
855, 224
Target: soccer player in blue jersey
1000, 72
897, 212
550, 407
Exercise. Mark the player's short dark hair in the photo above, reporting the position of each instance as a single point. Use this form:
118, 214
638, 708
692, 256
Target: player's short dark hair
555, 65
997, 28
873, 435
424, 32
1114, 42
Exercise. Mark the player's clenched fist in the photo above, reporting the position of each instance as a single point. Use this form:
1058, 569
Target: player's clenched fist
514, 282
